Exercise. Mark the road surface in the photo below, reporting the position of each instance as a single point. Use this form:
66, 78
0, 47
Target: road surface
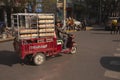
97, 58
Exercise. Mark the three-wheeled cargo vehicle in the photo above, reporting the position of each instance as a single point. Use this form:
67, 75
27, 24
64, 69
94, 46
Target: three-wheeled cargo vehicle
36, 39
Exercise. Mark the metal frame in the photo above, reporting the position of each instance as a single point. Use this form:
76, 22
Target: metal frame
17, 21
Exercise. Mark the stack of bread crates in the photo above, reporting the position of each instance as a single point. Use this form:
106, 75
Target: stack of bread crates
33, 25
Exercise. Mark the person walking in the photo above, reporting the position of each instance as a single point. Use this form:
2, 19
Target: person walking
114, 26
118, 26
68, 24
84, 25
71, 23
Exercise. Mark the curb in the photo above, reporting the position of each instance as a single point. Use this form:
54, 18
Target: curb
7, 39
94, 28
89, 28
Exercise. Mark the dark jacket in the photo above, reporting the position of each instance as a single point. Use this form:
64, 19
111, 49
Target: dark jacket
60, 32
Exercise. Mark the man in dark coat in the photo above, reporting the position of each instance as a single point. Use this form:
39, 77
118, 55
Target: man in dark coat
61, 34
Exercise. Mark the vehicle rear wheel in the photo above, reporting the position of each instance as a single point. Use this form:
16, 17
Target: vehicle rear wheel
73, 50
39, 59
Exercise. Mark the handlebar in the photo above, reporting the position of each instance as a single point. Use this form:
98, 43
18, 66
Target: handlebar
71, 35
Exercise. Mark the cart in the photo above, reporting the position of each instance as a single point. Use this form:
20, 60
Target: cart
35, 37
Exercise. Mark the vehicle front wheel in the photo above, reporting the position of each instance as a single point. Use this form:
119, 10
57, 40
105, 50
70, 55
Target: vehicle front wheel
73, 50
39, 59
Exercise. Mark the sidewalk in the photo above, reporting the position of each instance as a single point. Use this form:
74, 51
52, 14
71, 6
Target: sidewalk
95, 27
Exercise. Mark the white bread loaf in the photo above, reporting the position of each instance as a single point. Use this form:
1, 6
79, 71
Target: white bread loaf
45, 25
42, 16
46, 34
49, 30
28, 30
46, 21
45, 16
34, 35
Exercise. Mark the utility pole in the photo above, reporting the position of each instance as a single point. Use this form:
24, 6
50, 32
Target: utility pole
5, 18
100, 13
64, 23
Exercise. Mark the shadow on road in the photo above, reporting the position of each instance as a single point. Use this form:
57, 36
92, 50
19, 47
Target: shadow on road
9, 58
111, 63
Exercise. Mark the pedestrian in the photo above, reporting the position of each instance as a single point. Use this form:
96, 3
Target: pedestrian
2, 27
67, 24
84, 24
71, 22
114, 26
118, 26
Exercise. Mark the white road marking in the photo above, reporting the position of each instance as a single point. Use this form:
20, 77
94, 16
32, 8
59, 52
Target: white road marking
116, 54
112, 74
118, 49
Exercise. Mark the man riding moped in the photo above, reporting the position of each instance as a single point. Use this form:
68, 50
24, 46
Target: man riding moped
62, 35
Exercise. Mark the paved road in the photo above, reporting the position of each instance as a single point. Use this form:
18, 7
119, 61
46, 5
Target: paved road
97, 58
